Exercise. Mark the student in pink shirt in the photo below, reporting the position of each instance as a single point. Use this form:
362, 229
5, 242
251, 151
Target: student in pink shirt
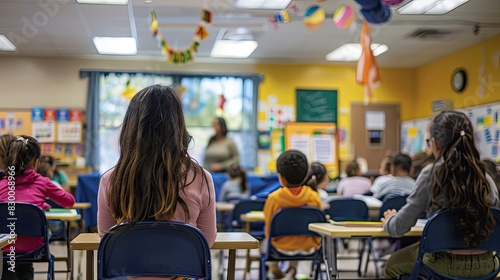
354, 183
155, 178
22, 160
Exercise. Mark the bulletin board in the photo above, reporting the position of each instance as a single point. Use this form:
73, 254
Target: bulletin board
413, 135
314, 105
55, 133
318, 141
15, 121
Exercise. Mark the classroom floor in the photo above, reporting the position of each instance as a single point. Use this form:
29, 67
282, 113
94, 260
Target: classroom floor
59, 249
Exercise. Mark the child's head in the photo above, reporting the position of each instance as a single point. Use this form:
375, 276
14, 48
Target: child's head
4, 146
23, 153
50, 160
318, 178
292, 168
419, 161
401, 165
45, 169
385, 165
353, 169
235, 171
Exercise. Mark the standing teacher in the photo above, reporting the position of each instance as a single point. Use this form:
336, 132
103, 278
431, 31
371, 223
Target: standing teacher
221, 150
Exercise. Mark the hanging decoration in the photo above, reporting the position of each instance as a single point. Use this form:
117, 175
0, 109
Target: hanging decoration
283, 16
343, 17
186, 55
129, 91
392, 2
374, 11
314, 16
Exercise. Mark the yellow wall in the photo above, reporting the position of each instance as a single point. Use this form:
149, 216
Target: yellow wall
482, 63
281, 80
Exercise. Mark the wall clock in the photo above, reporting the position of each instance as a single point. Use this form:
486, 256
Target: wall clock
459, 80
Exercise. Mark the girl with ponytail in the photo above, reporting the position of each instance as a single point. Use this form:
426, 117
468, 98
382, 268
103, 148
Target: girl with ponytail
457, 181
318, 180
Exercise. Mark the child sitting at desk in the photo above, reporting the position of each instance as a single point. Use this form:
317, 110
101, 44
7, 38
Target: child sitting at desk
21, 161
401, 183
292, 170
354, 183
236, 186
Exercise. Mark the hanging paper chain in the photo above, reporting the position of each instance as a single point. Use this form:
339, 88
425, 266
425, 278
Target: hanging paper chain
185, 55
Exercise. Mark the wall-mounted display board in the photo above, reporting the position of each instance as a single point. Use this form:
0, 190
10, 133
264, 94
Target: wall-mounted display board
318, 141
316, 105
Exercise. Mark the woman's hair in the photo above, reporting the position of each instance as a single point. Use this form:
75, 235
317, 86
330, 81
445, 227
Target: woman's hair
317, 173
402, 161
154, 163
4, 146
351, 169
235, 171
460, 182
44, 169
223, 130
23, 150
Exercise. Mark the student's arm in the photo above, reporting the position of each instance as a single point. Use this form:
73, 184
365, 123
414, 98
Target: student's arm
235, 155
416, 203
58, 195
206, 222
105, 219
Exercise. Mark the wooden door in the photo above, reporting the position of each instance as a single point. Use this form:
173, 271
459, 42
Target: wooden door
375, 130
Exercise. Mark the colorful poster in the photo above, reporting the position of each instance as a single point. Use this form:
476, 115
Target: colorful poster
46, 148
49, 114
63, 115
279, 115
19, 124
264, 140
78, 149
2, 124
75, 115
37, 114
69, 132
412, 132
488, 120
44, 132
58, 148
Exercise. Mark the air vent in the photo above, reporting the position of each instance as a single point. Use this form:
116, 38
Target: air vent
432, 34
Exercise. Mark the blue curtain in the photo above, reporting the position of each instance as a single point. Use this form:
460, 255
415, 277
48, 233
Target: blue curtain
92, 119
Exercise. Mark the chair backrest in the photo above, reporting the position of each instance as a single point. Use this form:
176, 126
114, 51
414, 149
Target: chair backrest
245, 206
440, 234
395, 202
29, 221
154, 249
347, 209
295, 221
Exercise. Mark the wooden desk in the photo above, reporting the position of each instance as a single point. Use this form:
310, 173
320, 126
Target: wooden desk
224, 206
82, 206
67, 216
224, 241
330, 232
251, 217
4, 240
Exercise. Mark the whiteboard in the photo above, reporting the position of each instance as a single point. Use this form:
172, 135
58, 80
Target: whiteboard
485, 120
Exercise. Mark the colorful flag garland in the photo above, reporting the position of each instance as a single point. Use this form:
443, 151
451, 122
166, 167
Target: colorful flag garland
185, 55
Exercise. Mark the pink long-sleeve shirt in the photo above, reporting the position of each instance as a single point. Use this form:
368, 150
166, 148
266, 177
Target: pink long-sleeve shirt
199, 198
34, 188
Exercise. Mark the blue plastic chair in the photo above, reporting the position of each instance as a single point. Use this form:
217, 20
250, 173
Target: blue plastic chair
440, 234
30, 221
154, 249
256, 229
293, 222
350, 209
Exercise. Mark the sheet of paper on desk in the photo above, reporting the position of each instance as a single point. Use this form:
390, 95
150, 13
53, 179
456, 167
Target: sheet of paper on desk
421, 223
369, 200
255, 214
356, 223
62, 211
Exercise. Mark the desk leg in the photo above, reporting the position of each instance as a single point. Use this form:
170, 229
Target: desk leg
82, 221
90, 264
231, 264
330, 256
69, 260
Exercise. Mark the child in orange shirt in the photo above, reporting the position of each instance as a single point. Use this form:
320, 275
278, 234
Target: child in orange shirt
292, 170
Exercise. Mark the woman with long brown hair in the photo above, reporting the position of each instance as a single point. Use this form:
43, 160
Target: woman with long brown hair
155, 178
457, 181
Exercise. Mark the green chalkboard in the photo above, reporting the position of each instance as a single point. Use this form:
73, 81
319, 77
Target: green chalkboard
316, 105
